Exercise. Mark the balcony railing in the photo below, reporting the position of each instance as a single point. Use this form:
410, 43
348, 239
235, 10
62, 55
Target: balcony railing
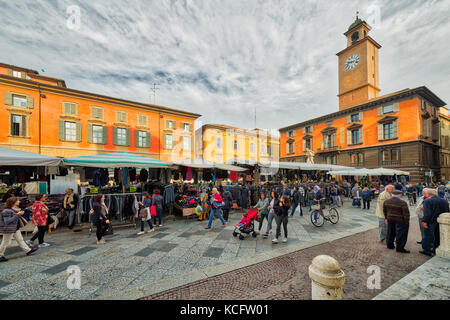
330, 149
390, 162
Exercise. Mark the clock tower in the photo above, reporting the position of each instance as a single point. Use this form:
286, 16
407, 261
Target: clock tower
358, 67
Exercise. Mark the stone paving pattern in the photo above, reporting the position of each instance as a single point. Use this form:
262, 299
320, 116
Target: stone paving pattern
286, 277
132, 267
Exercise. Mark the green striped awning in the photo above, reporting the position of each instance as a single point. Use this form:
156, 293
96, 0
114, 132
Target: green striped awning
115, 160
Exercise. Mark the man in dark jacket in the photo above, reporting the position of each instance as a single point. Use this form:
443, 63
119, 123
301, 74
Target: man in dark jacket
296, 202
433, 206
228, 201
396, 212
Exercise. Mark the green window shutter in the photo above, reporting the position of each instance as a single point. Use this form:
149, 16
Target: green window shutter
136, 138
303, 145
395, 128
8, 99
304, 130
361, 116
115, 136
30, 102
62, 128
10, 72
349, 137
78, 126
174, 125
167, 124
89, 133
396, 107
165, 141
128, 137
349, 119
24, 126
380, 111
148, 140
360, 135
105, 135
380, 132
22, 75
174, 142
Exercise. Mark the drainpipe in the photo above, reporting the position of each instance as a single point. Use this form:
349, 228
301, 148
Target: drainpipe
41, 95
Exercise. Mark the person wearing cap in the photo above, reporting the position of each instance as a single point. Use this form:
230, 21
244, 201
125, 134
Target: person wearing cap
396, 212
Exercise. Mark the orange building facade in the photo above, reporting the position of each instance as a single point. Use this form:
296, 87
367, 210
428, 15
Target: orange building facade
42, 115
398, 130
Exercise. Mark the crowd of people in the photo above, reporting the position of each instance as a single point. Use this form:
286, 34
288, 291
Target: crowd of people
275, 203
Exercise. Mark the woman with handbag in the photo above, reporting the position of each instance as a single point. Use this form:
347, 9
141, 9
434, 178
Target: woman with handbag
144, 213
216, 204
99, 218
263, 208
40, 220
158, 202
274, 202
10, 223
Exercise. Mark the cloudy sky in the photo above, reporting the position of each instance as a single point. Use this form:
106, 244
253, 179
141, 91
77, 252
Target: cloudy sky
224, 59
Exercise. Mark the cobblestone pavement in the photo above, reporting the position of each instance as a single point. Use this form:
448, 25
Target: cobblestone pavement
286, 277
132, 267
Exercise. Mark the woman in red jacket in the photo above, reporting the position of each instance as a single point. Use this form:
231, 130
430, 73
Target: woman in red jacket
216, 204
40, 217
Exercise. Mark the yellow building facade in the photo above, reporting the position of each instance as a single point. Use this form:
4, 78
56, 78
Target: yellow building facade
226, 144
445, 143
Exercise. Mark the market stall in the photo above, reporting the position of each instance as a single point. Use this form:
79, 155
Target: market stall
122, 200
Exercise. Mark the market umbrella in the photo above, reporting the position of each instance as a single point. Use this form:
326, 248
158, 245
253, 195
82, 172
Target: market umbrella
115, 160
14, 157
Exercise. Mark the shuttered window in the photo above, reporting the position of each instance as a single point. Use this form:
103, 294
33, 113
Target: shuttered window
70, 108
171, 124
186, 143
169, 141
121, 116
142, 139
97, 134
70, 131
121, 136
97, 113
142, 120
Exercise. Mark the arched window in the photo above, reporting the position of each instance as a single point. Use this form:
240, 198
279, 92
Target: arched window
355, 37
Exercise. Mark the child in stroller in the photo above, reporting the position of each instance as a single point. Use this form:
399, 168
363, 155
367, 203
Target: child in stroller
246, 225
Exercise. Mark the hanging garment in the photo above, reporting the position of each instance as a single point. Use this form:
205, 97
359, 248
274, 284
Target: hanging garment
189, 174
233, 176
143, 175
132, 174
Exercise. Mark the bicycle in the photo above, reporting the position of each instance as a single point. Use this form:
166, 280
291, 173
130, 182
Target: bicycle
318, 217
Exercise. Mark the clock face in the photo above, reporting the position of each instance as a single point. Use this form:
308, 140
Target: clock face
351, 62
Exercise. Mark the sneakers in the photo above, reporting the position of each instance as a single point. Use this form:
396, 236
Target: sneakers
285, 240
207, 228
3, 259
30, 243
101, 241
44, 244
160, 225
31, 251
140, 233
151, 230
275, 240
265, 235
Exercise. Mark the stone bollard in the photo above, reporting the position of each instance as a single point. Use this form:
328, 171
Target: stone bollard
327, 278
444, 233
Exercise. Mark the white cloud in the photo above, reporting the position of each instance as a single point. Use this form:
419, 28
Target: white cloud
223, 59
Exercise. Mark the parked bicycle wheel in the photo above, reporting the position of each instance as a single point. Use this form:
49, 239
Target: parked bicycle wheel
333, 216
317, 218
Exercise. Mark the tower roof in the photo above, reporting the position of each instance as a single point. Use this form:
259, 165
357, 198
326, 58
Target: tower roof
356, 23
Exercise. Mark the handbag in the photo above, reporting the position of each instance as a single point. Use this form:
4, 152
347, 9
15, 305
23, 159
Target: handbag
22, 222
153, 211
315, 207
143, 213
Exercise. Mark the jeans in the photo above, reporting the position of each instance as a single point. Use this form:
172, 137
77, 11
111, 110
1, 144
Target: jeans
281, 220
382, 229
7, 239
159, 215
269, 222
294, 206
264, 216
430, 239
335, 199
40, 234
310, 204
215, 211
149, 224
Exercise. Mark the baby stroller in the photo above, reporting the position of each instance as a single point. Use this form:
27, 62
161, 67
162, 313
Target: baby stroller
246, 225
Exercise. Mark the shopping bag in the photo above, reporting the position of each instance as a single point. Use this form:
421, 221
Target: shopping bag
143, 213
153, 211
